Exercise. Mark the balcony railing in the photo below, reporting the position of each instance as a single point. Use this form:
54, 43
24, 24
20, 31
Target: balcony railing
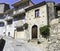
8, 18
18, 11
18, 23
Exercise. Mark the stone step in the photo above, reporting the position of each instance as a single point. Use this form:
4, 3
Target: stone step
34, 40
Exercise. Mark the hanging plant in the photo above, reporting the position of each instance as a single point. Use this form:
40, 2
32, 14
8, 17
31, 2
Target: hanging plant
25, 26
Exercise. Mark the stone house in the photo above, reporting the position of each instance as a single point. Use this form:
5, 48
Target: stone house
39, 16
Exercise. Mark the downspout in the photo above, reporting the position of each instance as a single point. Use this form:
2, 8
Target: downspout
47, 15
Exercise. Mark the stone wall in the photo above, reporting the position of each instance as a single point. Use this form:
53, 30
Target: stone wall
54, 40
50, 11
39, 21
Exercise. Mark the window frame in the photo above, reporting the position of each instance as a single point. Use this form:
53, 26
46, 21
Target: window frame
9, 21
37, 13
1, 24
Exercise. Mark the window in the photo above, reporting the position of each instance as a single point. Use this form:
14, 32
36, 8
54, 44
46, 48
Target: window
1, 17
8, 33
9, 22
37, 13
20, 28
1, 24
19, 17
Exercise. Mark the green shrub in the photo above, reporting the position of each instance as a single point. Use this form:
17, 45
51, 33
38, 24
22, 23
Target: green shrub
25, 25
38, 42
45, 31
29, 40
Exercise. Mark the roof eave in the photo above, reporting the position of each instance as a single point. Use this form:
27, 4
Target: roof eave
35, 6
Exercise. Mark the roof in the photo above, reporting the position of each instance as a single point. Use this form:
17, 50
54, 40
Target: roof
8, 11
20, 2
57, 6
35, 6
4, 3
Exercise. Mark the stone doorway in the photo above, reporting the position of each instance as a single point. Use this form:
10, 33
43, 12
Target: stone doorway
34, 32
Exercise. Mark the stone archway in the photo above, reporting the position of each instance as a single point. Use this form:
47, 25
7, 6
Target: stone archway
34, 32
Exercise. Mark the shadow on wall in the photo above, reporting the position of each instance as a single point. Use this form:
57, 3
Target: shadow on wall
2, 44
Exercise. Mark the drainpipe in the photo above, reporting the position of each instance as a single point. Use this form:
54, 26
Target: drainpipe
5, 27
24, 27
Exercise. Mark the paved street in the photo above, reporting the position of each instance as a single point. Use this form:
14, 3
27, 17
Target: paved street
19, 45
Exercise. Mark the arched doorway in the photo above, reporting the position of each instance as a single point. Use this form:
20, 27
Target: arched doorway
34, 32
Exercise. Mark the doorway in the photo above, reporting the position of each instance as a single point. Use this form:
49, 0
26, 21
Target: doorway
34, 32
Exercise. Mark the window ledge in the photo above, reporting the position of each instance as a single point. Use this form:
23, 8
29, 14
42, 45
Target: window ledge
37, 17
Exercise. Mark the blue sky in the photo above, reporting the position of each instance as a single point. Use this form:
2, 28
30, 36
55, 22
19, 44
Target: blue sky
35, 1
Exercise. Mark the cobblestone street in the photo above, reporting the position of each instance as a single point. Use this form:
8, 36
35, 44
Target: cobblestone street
19, 45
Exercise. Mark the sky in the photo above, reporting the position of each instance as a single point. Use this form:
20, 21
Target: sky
10, 2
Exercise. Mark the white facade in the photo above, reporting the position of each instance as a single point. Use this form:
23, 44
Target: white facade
2, 27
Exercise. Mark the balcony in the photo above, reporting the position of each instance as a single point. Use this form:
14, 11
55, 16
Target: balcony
18, 11
18, 23
9, 12
8, 18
